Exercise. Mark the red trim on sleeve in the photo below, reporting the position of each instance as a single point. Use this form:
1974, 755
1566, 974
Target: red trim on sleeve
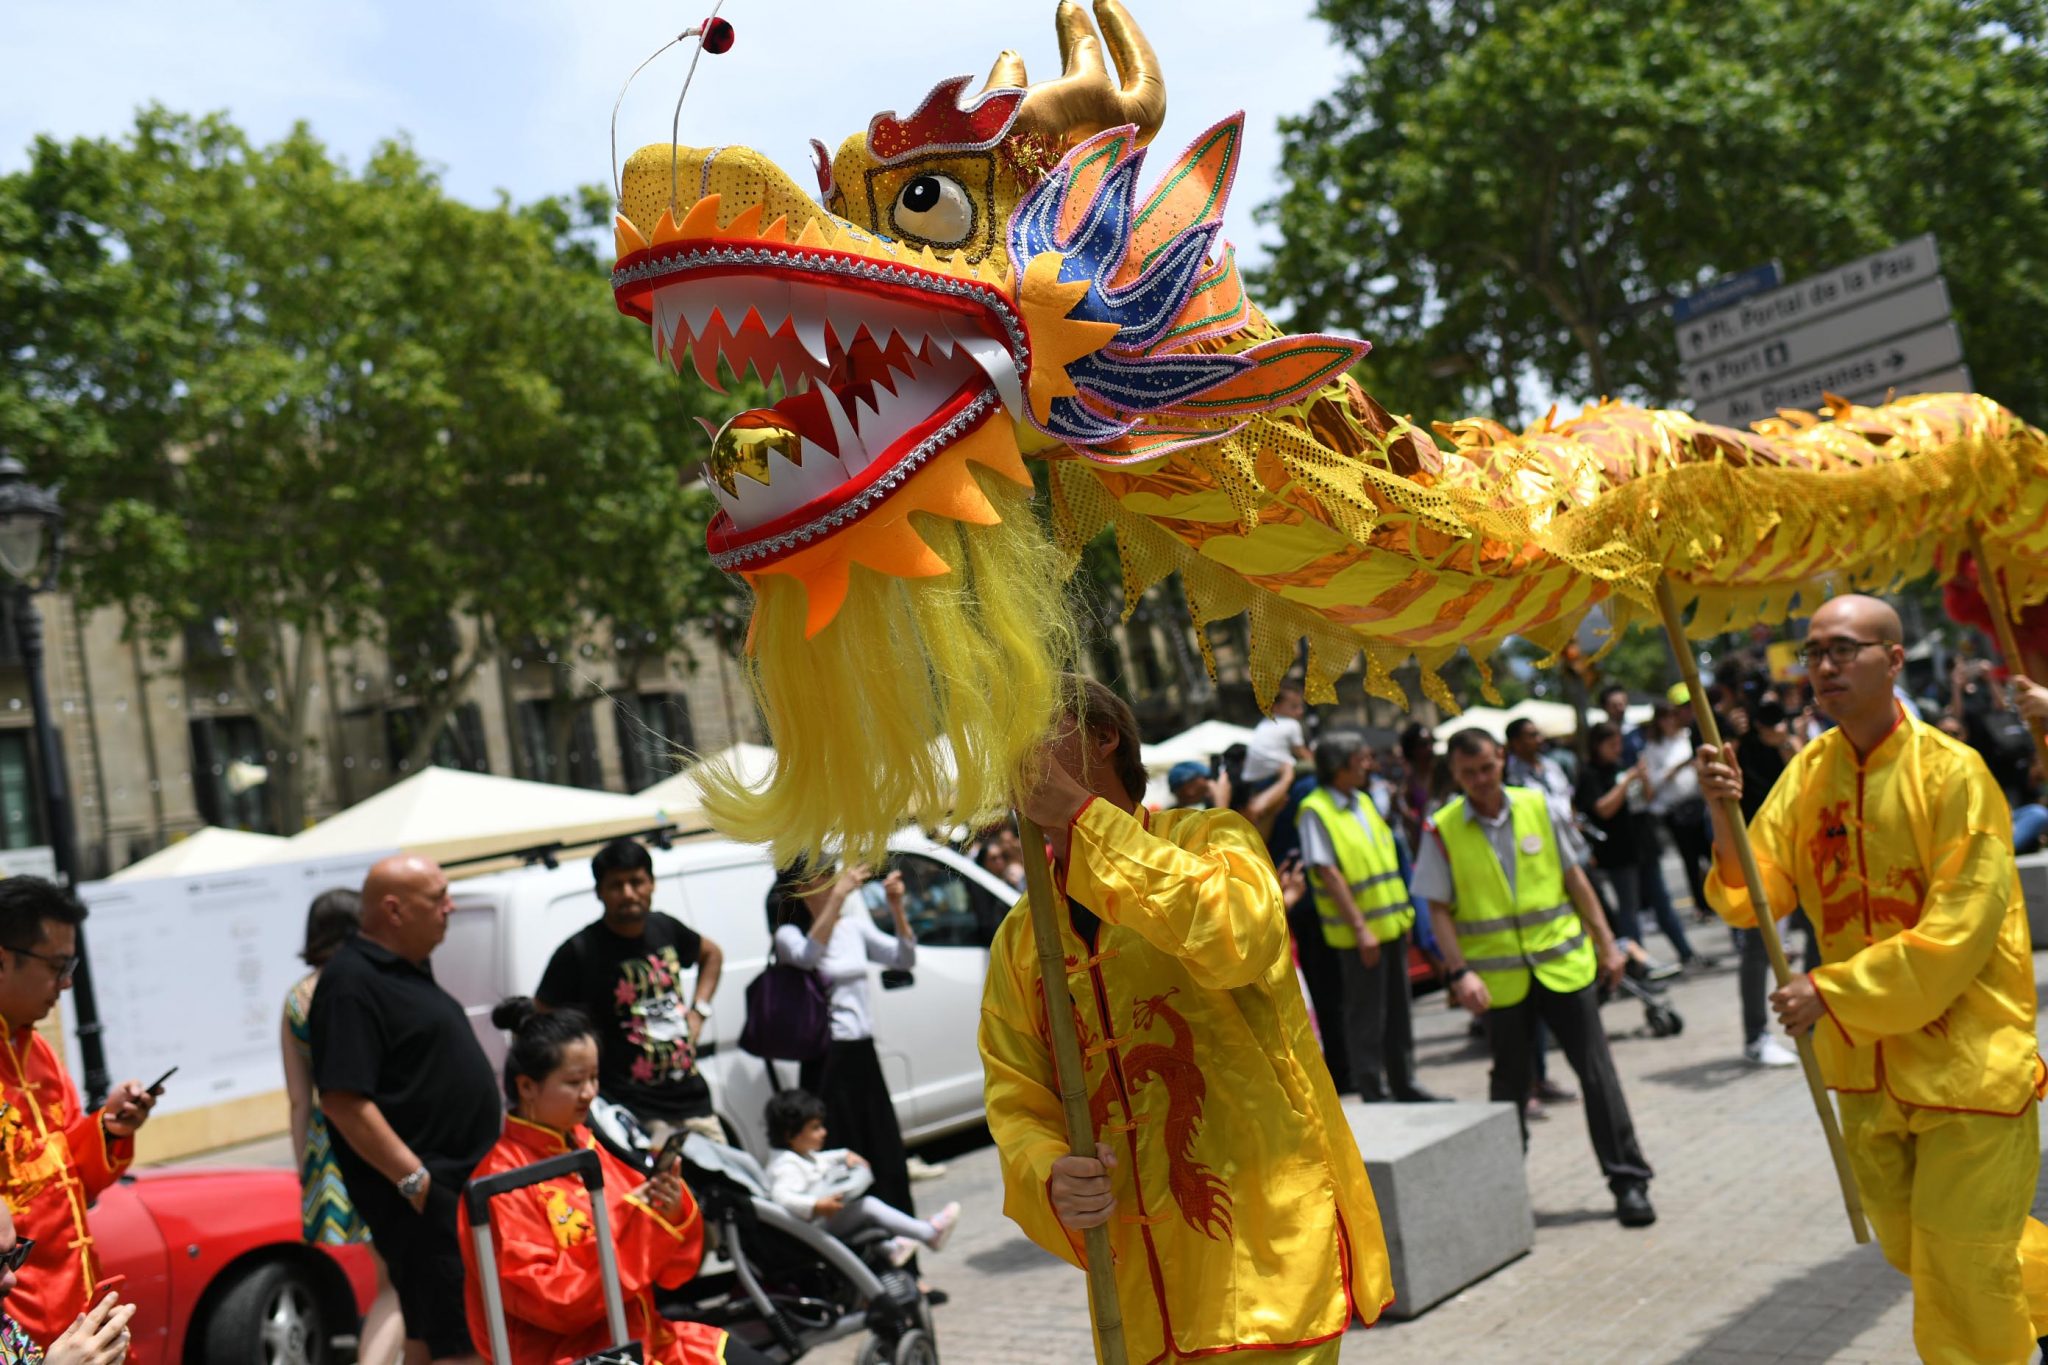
1059, 869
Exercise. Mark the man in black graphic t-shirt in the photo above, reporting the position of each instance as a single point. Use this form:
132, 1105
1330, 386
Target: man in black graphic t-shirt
626, 972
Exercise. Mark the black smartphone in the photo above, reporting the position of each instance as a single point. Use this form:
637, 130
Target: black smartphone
156, 1087
671, 1154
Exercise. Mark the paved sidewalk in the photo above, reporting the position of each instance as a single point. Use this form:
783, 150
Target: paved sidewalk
1751, 1260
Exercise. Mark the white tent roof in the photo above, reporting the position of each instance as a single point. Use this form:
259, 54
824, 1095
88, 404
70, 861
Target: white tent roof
207, 849
1198, 743
448, 814
1491, 719
680, 798
1553, 718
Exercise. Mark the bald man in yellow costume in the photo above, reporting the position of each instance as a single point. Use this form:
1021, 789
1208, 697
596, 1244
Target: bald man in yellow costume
1239, 1216
1898, 843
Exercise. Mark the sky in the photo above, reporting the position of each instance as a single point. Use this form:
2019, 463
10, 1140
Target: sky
515, 96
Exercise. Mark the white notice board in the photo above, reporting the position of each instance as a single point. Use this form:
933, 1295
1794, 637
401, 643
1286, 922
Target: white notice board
191, 971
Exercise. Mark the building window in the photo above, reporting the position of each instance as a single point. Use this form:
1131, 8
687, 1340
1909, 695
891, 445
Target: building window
537, 754
21, 796
654, 736
459, 745
218, 744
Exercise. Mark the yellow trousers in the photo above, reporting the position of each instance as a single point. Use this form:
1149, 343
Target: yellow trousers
1947, 1195
1325, 1354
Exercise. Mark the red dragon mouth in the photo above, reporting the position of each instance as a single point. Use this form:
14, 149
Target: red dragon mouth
884, 364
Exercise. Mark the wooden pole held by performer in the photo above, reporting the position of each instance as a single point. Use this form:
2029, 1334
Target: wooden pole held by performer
1766, 922
1066, 1055
2008, 643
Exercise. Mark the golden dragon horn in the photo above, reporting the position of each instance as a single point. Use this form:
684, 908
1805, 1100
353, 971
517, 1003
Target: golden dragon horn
1084, 99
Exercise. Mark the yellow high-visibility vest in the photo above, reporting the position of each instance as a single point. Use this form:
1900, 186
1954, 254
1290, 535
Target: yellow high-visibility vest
1507, 935
1369, 862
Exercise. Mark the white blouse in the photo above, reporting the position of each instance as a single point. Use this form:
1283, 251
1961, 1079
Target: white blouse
842, 961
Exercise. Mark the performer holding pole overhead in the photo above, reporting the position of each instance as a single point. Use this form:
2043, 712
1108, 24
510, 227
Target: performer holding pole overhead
1896, 841
1234, 1196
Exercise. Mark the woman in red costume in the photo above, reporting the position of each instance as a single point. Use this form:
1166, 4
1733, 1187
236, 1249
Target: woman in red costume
546, 1244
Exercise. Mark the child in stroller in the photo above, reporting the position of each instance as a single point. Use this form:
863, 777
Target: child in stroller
830, 1187
774, 1281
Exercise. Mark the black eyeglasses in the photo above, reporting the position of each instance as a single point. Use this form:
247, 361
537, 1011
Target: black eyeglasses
1840, 653
11, 1260
64, 966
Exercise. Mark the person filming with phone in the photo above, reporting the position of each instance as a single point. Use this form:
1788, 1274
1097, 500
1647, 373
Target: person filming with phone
56, 1156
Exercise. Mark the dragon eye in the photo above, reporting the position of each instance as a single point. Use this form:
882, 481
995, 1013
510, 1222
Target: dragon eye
936, 209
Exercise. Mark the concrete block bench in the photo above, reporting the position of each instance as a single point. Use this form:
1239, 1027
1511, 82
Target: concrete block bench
2034, 882
1453, 1197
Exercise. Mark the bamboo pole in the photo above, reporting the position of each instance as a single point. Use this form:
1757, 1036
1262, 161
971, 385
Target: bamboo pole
1066, 1053
1766, 922
2008, 642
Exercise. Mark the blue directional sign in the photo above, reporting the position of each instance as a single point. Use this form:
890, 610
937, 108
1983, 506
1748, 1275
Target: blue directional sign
1723, 292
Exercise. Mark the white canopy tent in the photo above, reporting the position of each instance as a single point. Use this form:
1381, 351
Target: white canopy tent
1554, 719
1198, 744
681, 798
453, 815
207, 849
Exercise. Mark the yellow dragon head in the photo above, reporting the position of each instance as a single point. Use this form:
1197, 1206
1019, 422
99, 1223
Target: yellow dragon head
977, 281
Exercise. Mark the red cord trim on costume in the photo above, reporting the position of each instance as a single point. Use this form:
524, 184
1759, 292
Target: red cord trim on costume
1821, 996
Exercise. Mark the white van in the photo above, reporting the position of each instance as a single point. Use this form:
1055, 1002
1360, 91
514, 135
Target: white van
508, 924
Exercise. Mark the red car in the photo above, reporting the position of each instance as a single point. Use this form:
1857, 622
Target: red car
218, 1272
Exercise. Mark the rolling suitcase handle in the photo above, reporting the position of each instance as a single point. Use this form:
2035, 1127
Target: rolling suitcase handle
479, 1194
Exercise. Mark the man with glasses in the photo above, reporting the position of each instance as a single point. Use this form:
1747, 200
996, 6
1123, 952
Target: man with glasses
56, 1156
1896, 840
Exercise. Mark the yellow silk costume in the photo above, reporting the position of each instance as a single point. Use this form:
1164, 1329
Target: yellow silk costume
1903, 860
1244, 1220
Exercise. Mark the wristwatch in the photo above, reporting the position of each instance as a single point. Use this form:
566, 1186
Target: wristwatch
698, 1008
411, 1185
1456, 974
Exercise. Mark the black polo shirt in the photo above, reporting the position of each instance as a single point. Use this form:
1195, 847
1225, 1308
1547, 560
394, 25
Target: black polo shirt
383, 1028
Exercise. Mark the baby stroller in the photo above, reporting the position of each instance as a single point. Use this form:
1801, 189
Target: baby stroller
778, 1283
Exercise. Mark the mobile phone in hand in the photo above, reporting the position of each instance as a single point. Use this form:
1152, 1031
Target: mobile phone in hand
671, 1154
109, 1287
156, 1087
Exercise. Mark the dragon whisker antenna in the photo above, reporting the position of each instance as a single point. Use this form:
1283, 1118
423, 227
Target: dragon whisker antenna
713, 34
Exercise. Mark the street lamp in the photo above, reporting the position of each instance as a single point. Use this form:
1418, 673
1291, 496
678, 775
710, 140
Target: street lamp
31, 553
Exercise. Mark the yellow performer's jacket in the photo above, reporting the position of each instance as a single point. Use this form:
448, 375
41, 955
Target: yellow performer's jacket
1903, 861
1244, 1219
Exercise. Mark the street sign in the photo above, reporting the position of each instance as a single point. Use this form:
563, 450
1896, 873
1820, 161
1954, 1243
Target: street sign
1834, 291
1723, 292
1851, 374
1767, 357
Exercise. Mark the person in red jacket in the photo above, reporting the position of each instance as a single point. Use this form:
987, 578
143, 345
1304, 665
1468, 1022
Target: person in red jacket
544, 1236
55, 1155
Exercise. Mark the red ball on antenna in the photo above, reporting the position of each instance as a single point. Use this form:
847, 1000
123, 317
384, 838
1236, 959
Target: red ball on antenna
716, 35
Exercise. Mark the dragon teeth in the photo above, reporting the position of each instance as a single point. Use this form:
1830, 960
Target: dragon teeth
994, 359
852, 453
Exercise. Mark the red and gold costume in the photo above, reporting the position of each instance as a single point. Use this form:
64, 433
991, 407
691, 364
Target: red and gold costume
57, 1159
1903, 860
548, 1261
1244, 1220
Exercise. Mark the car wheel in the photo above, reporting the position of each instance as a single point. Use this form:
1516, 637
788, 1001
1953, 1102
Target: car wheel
270, 1316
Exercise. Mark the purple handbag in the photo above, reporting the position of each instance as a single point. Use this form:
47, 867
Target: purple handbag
789, 1016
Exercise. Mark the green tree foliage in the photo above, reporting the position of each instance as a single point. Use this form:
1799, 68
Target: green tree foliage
1500, 191
333, 405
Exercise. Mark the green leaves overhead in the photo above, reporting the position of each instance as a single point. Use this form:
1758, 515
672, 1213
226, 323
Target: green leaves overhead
1504, 193
331, 399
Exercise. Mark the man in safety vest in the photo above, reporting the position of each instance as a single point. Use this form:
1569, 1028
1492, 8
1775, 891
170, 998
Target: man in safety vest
1239, 1217
1896, 841
1501, 890
1362, 901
